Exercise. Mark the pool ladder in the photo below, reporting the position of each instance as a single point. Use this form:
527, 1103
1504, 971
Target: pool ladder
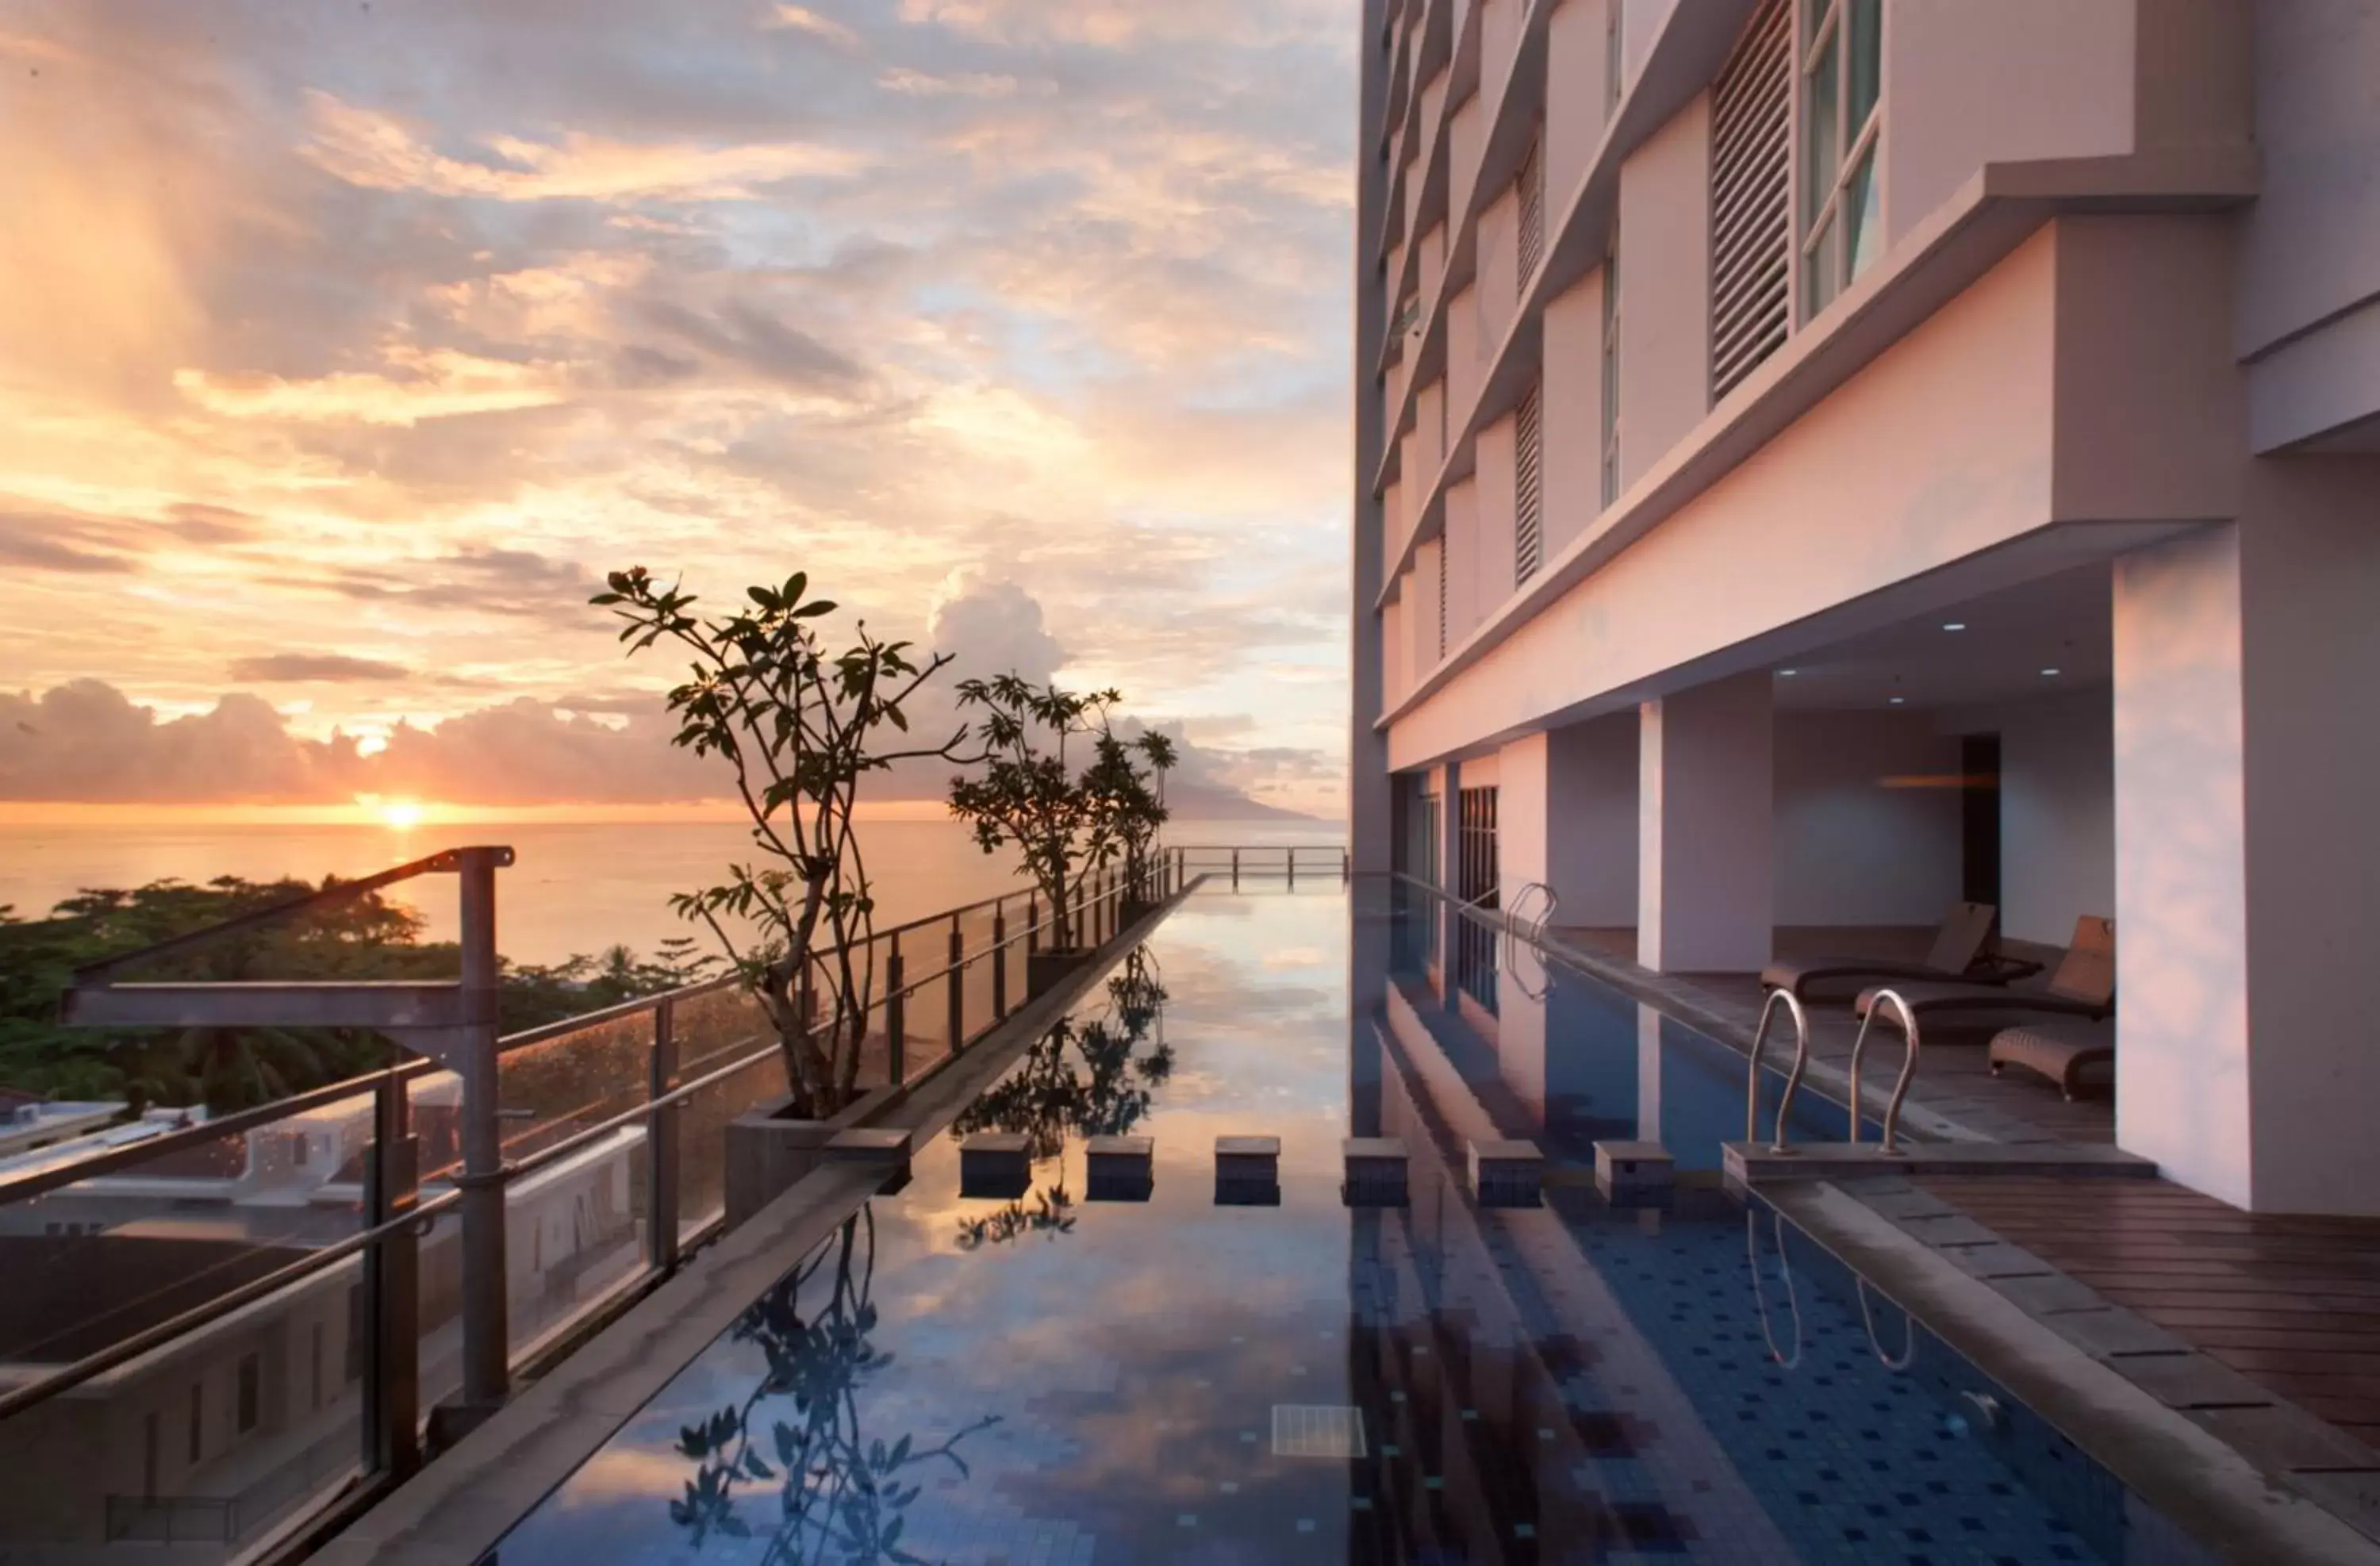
1890, 1134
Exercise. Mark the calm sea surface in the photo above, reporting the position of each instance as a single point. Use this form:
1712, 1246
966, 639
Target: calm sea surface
573, 887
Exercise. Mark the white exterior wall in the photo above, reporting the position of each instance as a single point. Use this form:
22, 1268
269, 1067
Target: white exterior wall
1706, 762
1856, 841
1575, 117
1664, 290
1462, 587
1497, 504
1466, 351
1573, 411
1591, 842
1937, 450
2244, 922
2057, 829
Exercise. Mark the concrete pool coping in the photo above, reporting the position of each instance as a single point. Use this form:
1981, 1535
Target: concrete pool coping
2231, 1473
460, 1506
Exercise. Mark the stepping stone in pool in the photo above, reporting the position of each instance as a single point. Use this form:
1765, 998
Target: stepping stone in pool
1247, 1171
1506, 1174
1374, 1172
1119, 1168
996, 1163
1633, 1173
883, 1148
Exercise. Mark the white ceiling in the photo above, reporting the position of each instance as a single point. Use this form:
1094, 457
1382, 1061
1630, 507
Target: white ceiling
2058, 622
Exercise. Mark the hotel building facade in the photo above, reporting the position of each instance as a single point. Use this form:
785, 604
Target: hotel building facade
1822, 460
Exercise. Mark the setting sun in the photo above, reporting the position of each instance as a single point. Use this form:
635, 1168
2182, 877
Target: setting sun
400, 815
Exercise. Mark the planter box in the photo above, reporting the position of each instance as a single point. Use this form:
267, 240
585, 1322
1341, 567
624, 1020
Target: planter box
1045, 970
767, 1150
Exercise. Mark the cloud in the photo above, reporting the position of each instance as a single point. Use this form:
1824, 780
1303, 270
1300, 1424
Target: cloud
961, 84
327, 668
427, 383
377, 152
86, 740
802, 18
406, 327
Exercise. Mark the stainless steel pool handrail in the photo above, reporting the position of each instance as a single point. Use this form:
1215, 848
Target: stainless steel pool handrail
1891, 1128
1908, 1322
1760, 1299
1793, 1078
1535, 929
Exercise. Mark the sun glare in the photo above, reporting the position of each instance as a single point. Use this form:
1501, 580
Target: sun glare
400, 815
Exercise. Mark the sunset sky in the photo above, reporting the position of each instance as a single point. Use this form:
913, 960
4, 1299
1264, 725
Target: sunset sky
343, 346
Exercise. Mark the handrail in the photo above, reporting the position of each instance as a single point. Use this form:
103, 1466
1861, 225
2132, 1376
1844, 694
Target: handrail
133, 1347
1792, 1079
1890, 1132
1908, 1339
1760, 1299
1534, 928
43, 1182
440, 863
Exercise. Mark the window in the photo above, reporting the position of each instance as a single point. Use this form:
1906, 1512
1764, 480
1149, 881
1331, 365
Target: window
1611, 373
1476, 842
1841, 113
1528, 488
1531, 189
198, 1420
298, 1149
250, 1392
1441, 593
1751, 200
314, 1363
1615, 66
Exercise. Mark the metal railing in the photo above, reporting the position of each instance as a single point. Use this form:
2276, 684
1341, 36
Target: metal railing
640, 1075
1792, 1079
1891, 1129
1265, 861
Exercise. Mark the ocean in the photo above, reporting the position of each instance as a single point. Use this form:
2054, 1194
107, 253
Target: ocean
573, 887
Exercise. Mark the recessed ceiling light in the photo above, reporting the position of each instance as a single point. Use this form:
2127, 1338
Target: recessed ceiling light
2050, 672
1899, 699
1954, 625
1787, 674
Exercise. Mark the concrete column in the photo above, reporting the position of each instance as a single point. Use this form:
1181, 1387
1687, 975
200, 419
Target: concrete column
1368, 839
2246, 848
1566, 816
1705, 782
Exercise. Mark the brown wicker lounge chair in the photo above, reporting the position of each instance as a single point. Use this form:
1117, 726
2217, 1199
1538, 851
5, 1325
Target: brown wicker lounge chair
1957, 955
2058, 1048
2084, 984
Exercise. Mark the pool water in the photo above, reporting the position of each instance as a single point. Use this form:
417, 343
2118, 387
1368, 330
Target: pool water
1051, 1380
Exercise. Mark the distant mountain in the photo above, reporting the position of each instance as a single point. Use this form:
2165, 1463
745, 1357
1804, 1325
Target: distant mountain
1194, 802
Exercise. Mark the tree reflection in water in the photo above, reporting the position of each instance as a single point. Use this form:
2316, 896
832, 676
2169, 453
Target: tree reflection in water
1050, 1095
1081, 1079
838, 1491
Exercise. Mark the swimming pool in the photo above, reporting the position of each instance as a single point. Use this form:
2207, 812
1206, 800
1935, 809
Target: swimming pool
1051, 1380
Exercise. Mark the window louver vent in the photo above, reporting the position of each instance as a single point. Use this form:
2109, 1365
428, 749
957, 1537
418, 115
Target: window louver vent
1443, 563
1751, 233
1533, 213
1528, 489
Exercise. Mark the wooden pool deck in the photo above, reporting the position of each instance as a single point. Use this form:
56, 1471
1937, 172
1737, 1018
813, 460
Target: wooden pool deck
2263, 1328
2292, 1303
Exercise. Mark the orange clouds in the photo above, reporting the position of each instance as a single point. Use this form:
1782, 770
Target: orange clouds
379, 152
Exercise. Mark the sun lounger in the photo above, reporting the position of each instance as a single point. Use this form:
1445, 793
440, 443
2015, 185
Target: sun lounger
2084, 984
1958, 957
2058, 1048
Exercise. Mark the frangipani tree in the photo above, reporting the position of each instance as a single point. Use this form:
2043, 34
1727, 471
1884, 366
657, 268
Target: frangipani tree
1065, 824
798, 728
